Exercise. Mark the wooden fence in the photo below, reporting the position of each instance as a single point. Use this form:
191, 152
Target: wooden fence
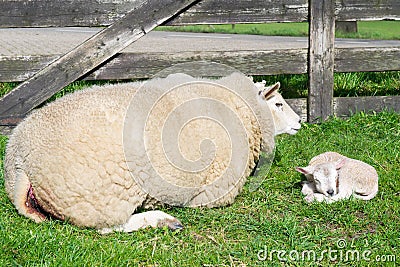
129, 20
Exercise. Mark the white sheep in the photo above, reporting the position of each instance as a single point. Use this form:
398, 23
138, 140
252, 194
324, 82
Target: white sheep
332, 177
77, 159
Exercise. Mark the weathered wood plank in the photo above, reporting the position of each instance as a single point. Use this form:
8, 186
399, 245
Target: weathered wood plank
6, 130
44, 13
243, 11
346, 26
299, 105
21, 68
60, 13
321, 59
348, 106
367, 59
250, 62
144, 65
88, 55
367, 10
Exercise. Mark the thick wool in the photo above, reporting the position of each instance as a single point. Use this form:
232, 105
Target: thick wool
70, 154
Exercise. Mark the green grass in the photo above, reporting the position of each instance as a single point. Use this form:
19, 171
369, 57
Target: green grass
274, 217
384, 30
367, 83
345, 84
6, 87
282, 29
292, 86
389, 30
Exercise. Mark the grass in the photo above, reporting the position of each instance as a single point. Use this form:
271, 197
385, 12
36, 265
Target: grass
345, 84
282, 29
272, 219
6, 87
292, 86
389, 30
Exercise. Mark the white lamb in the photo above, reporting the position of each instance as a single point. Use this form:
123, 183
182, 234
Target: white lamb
332, 177
68, 159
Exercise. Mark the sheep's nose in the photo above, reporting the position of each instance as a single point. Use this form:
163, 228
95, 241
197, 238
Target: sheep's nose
330, 192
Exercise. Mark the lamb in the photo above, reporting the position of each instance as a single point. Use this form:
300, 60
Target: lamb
332, 177
81, 159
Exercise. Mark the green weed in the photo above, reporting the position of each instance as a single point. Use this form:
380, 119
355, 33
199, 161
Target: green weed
6, 87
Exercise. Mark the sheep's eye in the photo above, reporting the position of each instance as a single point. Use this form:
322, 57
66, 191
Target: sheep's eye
279, 106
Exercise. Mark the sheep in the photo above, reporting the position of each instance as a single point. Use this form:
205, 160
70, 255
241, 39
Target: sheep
332, 177
81, 159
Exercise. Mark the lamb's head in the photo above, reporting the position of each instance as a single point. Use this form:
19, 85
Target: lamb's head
285, 119
324, 176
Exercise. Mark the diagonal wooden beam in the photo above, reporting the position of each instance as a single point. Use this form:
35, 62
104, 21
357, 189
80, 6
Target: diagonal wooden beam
143, 18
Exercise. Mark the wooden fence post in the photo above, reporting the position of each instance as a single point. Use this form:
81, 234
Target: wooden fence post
321, 59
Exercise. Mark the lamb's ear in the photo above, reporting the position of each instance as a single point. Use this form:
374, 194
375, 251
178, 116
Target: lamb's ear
305, 170
268, 91
339, 164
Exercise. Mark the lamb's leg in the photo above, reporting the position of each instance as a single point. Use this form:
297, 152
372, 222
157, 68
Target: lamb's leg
317, 197
311, 194
321, 198
342, 195
362, 194
154, 218
365, 197
308, 190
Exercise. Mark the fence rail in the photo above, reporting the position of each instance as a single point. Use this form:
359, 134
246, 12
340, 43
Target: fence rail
125, 25
131, 65
63, 13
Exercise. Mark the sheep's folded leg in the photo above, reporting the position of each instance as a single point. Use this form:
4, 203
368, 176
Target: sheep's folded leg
154, 218
24, 199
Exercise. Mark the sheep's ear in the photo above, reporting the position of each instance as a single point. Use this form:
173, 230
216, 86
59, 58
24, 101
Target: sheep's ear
268, 91
305, 170
339, 164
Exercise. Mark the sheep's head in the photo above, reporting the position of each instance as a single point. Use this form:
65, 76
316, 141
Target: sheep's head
324, 176
285, 119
